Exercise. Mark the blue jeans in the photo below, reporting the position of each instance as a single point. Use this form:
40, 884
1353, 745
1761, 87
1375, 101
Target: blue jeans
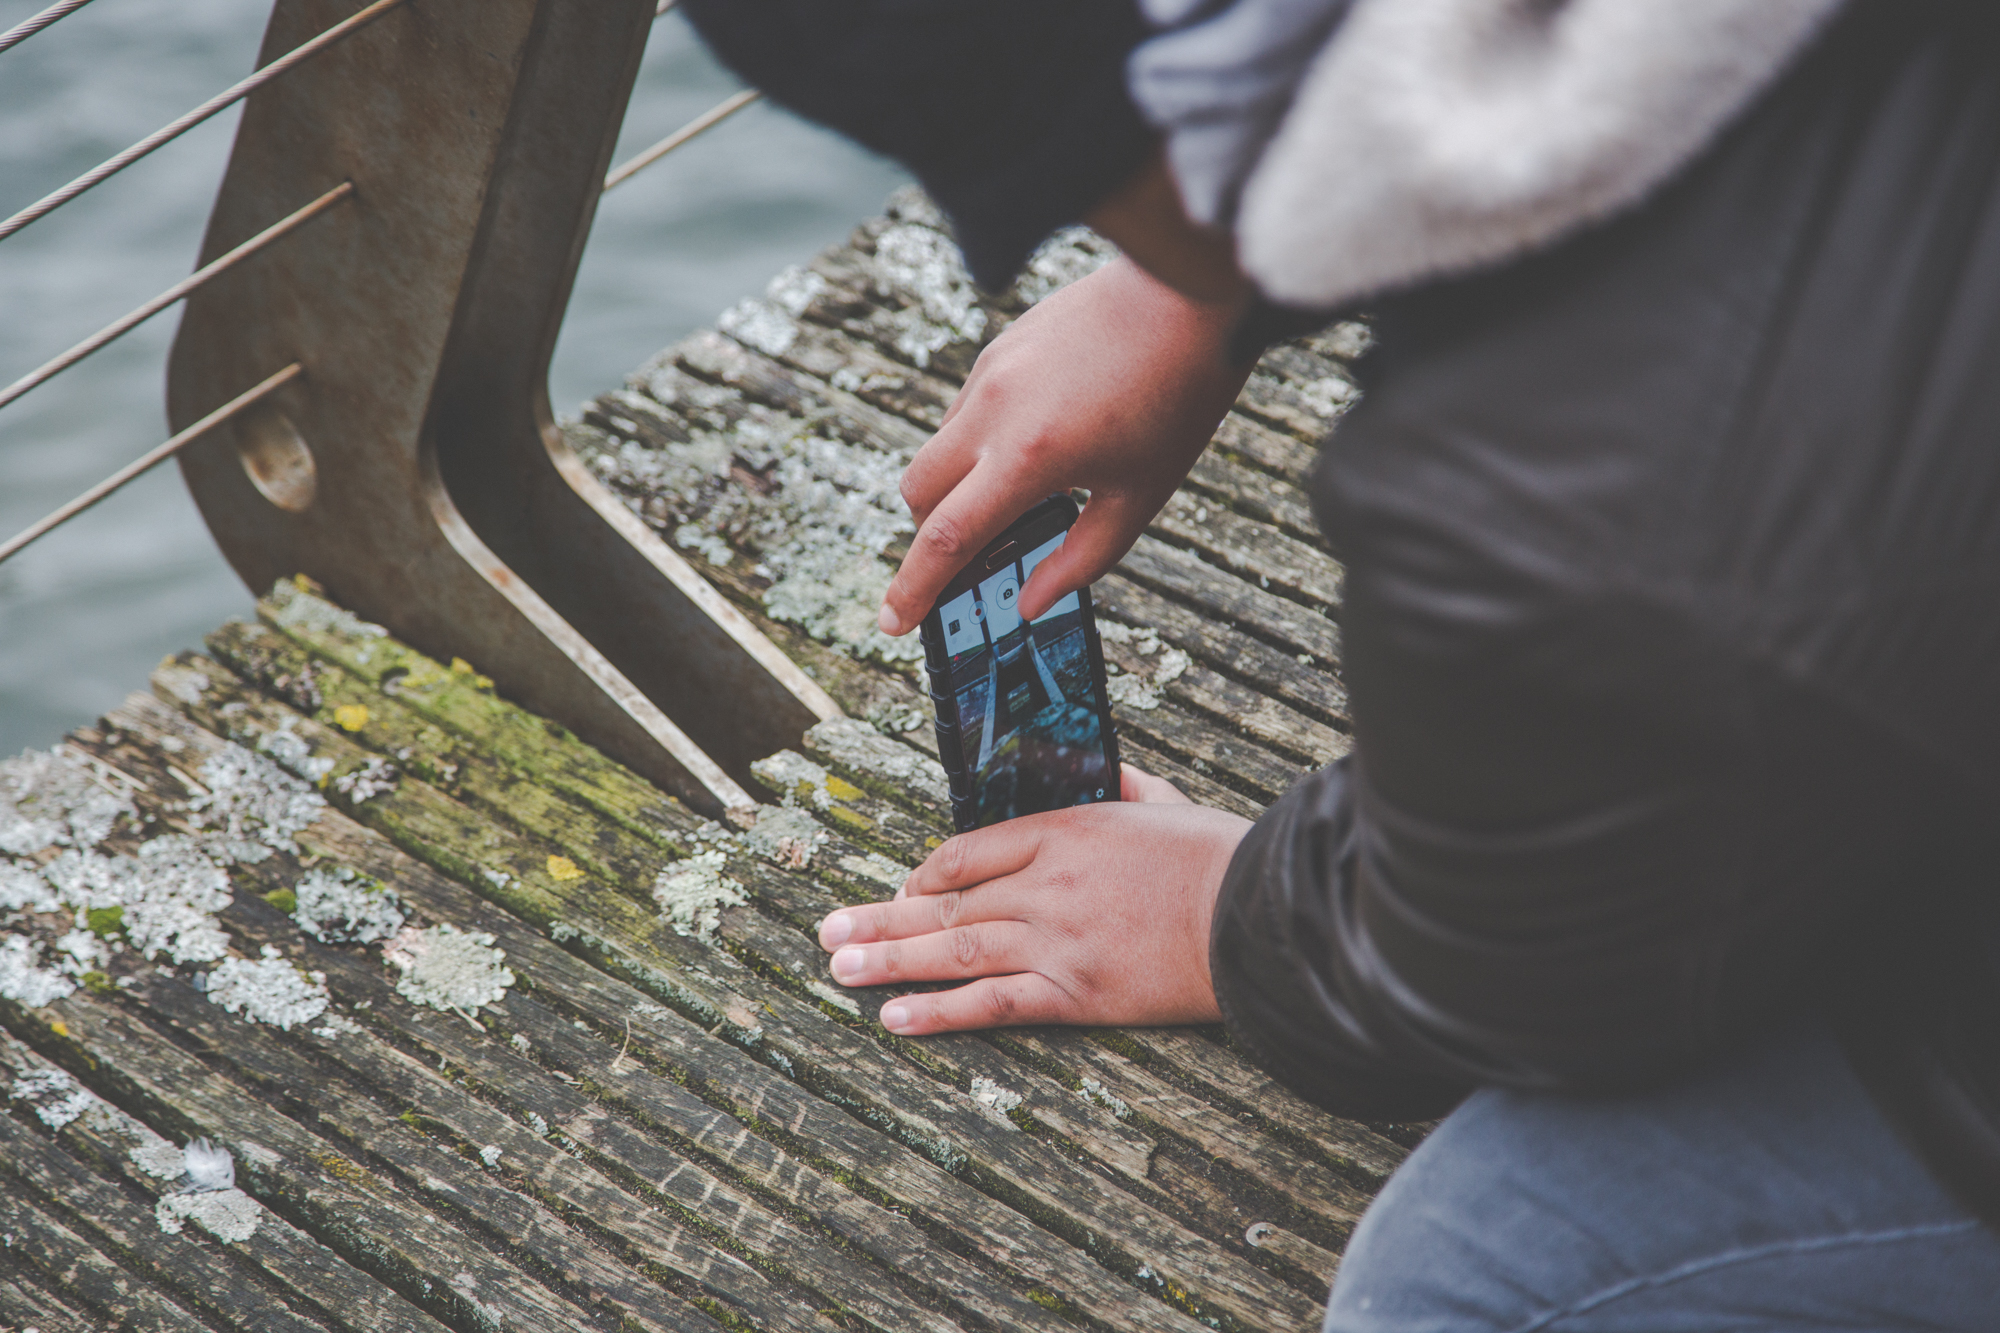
1766, 1195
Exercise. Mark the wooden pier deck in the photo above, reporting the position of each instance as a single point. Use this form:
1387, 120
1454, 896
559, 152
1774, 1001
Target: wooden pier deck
499, 1037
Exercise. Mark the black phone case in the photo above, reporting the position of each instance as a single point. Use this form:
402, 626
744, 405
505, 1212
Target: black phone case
950, 752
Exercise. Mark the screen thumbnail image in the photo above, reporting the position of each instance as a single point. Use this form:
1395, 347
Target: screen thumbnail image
1029, 717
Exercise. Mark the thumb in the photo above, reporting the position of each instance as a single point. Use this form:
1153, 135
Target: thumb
1097, 541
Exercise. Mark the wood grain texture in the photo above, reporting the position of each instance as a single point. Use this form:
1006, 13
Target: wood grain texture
693, 1127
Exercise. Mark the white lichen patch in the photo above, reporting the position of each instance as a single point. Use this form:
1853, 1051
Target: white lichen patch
814, 509
856, 745
787, 771
785, 835
50, 799
771, 325
490, 1155
692, 893
270, 990
877, 867
336, 1025
448, 969
156, 1156
338, 906
995, 1097
1095, 1091
897, 716
1142, 691
166, 896
56, 1097
368, 781
1072, 253
1346, 340
81, 952
251, 807
293, 752
22, 978
924, 268
296, 609
1144, 642
22, 889
229, 1215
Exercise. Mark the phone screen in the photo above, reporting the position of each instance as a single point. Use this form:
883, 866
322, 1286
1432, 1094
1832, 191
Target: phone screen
1025, 696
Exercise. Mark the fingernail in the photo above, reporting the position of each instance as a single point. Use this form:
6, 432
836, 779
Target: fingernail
836, 930
895, 1017
846, 963
887, 622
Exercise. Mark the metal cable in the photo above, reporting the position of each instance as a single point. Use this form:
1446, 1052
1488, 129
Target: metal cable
192, 282
713, 116
221, 101
27, 28
151, 460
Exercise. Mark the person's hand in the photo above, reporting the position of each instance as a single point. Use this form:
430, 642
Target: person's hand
1113, 384
1098, 914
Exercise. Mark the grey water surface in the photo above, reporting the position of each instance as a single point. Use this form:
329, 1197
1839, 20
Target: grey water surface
86, 613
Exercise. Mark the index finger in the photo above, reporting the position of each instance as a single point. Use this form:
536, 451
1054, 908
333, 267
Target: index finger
976, 511
966, 860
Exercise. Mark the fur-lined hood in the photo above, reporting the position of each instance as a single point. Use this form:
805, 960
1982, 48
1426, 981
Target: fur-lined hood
1434, 136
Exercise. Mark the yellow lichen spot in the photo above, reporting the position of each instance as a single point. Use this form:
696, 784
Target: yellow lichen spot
302, 583
461, 666
932, 843
60, 1028
840, 789
562, 870
351, 717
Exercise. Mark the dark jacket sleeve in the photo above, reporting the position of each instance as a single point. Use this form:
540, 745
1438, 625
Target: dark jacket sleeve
1014, 116
1507, 882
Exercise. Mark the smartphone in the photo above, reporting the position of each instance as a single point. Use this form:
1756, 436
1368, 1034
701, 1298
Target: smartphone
1023, 718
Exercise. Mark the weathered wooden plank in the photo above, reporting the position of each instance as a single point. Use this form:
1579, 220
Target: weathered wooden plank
288, 1169
200, 1276
1209, 695
520, 1207
1364, 1157
1013, 1165
66, 1261
1251, 550
1284, 624
1256, 495
318, 1280
1210, 750
1165, 1108
1309, 1260
1310, 686
1201, 788
1299, 391
652, 1033
507, 793
461, 703
1281, 453
23, 1307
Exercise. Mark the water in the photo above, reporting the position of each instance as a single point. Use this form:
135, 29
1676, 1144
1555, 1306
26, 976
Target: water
86, 613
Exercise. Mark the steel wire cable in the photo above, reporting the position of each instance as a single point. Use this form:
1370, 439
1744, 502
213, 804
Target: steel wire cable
708, 119
191, 283
152, 459
102, 172
28, 27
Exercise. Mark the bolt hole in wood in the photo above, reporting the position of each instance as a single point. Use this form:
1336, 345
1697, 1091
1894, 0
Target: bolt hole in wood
277, 460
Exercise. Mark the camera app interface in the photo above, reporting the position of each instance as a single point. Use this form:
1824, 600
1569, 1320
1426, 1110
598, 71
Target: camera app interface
1029, 717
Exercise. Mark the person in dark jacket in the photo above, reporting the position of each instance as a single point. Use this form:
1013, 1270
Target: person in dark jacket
1668, 852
